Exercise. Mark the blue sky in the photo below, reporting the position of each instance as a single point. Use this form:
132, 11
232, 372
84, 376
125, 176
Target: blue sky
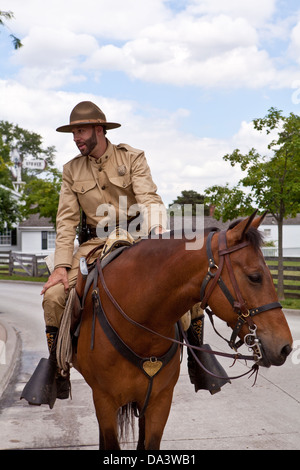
185, 78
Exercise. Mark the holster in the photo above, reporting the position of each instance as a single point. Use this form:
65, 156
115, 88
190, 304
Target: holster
79, 289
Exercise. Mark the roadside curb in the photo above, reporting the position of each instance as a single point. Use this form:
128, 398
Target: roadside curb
21, 282
291, 311
11, 346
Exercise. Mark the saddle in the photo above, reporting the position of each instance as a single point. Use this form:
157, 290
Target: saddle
116, 243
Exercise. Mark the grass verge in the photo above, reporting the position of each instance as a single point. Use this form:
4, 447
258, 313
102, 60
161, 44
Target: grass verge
15, 277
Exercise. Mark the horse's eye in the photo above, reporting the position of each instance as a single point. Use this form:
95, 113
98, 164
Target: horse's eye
256, 278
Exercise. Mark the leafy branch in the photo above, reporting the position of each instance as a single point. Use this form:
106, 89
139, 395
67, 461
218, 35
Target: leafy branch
8, 15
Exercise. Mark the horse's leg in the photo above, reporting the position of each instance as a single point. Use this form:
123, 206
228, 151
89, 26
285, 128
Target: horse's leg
141, 441
106, 416
108, 439
101, 439
155, 420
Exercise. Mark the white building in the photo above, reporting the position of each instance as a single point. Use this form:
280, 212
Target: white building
35, 235
290, 234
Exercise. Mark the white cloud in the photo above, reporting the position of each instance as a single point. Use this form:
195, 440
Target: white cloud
256, 12
294, 48
51, 47
210, 43
177, 160
239, 67
114, 19
50, 57
42, 111
187, 51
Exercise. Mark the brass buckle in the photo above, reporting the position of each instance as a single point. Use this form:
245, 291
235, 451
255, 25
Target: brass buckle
215, 266
245, 315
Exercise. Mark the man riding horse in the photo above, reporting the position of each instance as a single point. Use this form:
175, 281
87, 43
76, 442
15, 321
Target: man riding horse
101, 175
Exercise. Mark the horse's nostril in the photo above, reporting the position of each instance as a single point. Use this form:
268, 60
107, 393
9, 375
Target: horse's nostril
286, 350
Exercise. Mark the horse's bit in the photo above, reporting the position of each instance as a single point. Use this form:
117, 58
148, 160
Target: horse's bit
239, 305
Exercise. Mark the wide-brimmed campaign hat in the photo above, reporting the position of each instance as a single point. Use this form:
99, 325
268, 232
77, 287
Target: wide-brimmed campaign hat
86, 113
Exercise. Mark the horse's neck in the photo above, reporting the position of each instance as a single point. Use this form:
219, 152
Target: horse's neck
174, 276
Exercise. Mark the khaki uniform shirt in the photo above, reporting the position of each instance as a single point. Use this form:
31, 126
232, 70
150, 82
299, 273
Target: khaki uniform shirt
96, 186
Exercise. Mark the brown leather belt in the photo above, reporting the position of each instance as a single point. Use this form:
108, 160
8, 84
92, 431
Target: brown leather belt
91, 230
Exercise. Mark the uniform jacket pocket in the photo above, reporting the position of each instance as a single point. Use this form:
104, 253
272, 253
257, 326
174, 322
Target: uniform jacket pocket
120, 181
82, 187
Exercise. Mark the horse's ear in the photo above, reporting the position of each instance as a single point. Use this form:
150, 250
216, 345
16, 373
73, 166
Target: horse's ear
257, 222
238, 232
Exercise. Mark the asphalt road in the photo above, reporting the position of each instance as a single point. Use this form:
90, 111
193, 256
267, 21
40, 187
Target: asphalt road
240, 417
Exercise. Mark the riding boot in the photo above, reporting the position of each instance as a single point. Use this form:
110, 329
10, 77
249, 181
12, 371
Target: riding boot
62, 382
198, 376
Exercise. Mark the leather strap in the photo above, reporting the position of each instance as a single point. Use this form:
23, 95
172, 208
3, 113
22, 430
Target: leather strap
133, 322
125, 350
121, 346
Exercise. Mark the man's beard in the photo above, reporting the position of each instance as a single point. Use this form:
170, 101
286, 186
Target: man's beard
90, 144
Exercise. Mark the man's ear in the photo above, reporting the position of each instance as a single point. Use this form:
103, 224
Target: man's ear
99, 130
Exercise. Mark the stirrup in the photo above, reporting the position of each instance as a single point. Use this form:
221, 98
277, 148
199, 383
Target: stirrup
198, 376
41, 388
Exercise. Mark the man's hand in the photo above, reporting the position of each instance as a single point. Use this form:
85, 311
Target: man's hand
159, 230
59, 275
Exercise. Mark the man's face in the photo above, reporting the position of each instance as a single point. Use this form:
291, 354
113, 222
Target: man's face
85, 138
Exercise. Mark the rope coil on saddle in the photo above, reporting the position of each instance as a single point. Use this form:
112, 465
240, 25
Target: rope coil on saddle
64, 341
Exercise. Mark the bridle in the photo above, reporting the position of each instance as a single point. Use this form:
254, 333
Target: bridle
244, 314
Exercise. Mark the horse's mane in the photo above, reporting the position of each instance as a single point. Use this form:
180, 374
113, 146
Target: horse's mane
182, 231
254, 236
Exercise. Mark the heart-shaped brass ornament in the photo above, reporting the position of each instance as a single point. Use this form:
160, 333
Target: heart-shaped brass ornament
152, 367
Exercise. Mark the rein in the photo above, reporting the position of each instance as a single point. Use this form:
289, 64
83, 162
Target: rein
149, 330
173, 340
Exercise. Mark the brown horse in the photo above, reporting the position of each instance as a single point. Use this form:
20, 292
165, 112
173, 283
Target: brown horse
155, 282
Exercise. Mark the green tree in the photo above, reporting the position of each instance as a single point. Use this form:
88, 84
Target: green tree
9, 213
42, 195
8, 15
26, 144
229, 203
272, 183
190, 197
41, 187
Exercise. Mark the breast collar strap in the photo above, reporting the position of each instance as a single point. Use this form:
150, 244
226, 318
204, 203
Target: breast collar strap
150, 366
238, 304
